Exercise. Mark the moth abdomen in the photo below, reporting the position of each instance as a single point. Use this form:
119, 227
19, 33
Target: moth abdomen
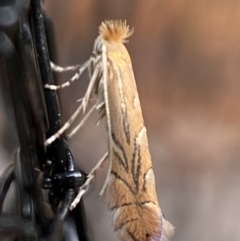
139, 222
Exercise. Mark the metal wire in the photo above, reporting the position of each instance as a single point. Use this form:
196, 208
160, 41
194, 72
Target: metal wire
25, 67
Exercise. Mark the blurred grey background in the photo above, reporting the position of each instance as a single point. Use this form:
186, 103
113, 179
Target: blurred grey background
186, 59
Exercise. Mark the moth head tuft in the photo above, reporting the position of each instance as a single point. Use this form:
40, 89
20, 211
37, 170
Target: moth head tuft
115, 30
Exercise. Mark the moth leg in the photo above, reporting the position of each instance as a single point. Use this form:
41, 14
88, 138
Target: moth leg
74, 131
51, 139
69, 82
60, 69
82, 106
94, 79
107, 178
90, 178
101, 111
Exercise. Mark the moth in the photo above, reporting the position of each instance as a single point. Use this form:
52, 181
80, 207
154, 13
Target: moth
130, 184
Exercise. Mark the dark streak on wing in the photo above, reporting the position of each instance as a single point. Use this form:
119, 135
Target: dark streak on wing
124, 181
136, 161
132, 236
120, 149
125, 118
123, 205
126, 127
144, 178
132, 204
